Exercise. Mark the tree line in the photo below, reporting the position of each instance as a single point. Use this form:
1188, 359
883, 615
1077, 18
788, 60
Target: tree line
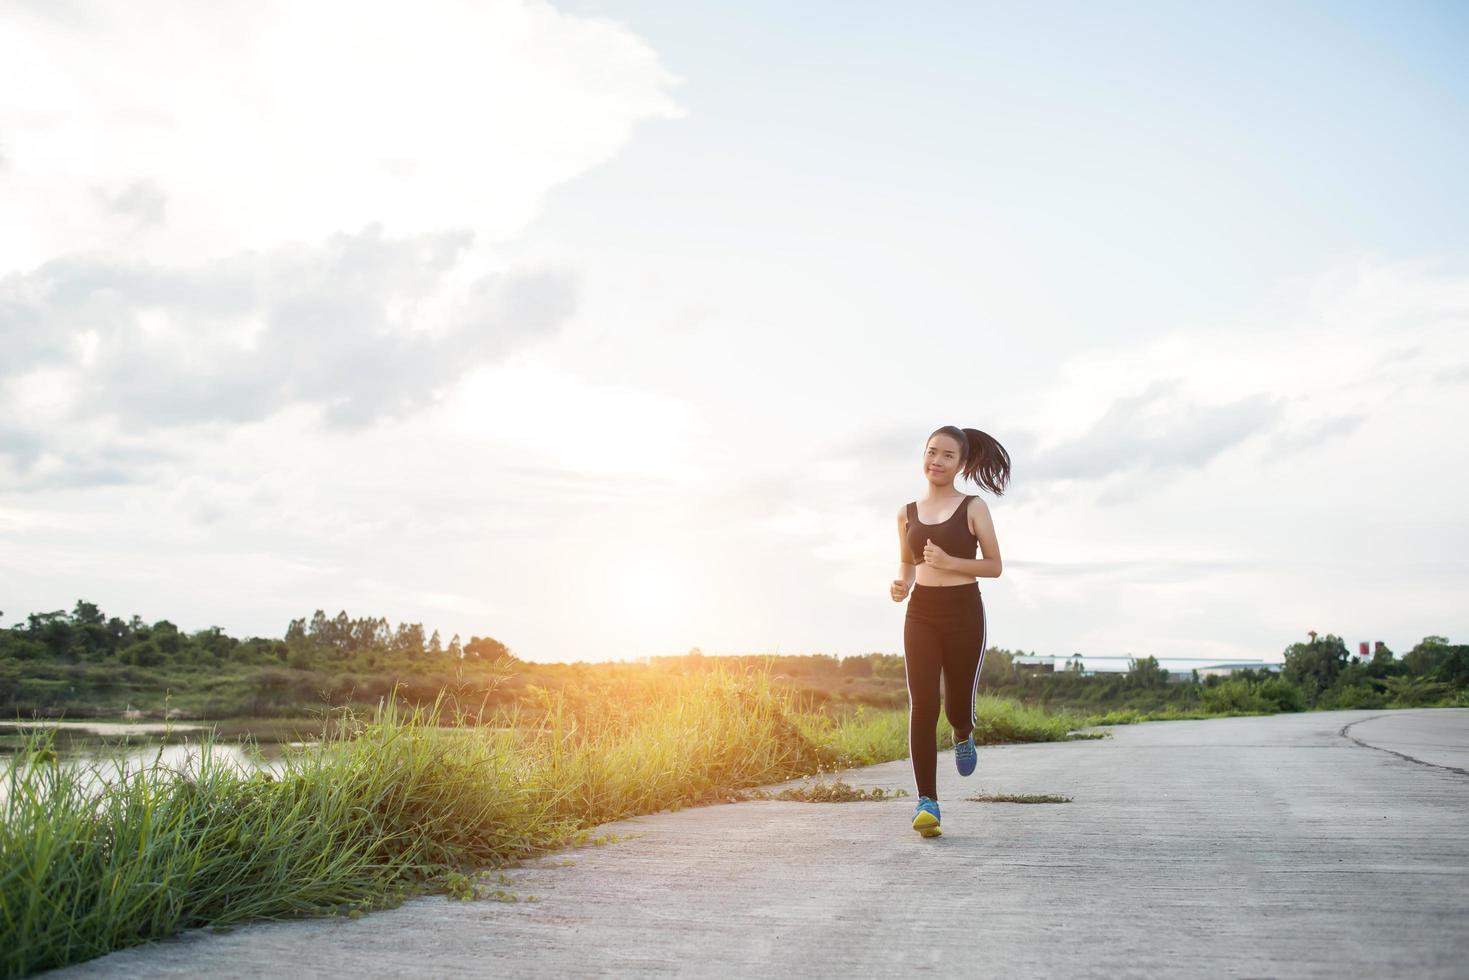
86, 635
87, 662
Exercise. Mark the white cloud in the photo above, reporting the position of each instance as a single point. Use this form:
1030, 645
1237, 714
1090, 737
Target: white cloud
186, 131
240, 339
216, 212
1123, 420
1157, 428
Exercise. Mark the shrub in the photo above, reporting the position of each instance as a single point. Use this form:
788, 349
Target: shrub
1283, 694
1413, 692
1234, 695
1353, 696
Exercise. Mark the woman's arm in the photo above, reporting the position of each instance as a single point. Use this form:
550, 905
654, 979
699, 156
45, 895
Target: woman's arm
983, 528
907, 571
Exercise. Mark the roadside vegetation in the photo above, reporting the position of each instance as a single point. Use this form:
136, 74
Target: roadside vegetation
1316, 675
397, 802
85, 664
432, 762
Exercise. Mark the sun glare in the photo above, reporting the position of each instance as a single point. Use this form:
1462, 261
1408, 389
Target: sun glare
622, 430
646, 596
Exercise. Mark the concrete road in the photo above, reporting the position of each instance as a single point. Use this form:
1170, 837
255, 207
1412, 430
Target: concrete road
1315, 845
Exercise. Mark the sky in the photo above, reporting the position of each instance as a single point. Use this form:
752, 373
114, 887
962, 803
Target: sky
615, 329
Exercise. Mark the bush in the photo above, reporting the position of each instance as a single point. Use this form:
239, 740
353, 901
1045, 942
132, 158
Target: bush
143, 654
1413, 692
1353, 696
1283, 694
1234, 695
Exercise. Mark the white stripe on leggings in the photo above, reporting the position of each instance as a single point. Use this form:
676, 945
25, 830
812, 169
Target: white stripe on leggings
984, 629
909, 684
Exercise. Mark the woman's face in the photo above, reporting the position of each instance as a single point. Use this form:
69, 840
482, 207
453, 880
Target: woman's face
941, 460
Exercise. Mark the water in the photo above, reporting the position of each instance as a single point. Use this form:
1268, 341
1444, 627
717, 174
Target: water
110, 749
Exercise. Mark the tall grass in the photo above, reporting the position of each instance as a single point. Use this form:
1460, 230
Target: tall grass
1000, 720
394, 804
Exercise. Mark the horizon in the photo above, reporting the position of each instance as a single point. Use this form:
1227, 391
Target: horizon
1167, 662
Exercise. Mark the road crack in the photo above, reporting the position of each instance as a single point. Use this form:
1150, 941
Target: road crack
1400, 755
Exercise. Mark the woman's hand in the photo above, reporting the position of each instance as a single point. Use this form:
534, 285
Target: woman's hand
899, 590
934, 555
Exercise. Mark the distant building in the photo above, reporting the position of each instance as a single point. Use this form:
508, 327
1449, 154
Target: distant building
1179, 670
1224, 670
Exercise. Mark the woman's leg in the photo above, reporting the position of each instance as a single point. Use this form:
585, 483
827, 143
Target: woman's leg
923, 657
963, 656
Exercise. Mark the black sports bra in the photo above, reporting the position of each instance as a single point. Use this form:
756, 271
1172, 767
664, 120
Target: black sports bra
952, 535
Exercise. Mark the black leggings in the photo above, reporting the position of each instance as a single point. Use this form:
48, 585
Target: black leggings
943, 633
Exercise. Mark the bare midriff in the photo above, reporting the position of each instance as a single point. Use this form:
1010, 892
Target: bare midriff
928, 575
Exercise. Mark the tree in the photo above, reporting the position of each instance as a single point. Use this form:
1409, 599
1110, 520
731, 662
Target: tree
87, 614
14, 644
485, 648
409, 639
117, 632
368, 633
89, 627
340, 632
1315, 666
890, 665
54, 630
1440, 660
166, 635
143, 654
1422, 659
1383, 663
1146, 673
216, 642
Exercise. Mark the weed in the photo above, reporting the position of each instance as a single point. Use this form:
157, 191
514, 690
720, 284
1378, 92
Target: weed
825, 792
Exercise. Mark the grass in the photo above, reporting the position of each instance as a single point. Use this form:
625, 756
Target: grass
864, 737
1001, 721
835, 791
1018, 798
1132, 716
399, 803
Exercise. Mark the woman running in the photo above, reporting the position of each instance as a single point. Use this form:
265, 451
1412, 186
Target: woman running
944, 629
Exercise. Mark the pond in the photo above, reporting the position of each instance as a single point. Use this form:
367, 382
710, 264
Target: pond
111, 748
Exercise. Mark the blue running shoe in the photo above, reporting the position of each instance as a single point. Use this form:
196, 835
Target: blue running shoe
965, 757
926, 817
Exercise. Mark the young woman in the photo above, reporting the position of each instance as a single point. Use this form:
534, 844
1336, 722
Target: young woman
944, 629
